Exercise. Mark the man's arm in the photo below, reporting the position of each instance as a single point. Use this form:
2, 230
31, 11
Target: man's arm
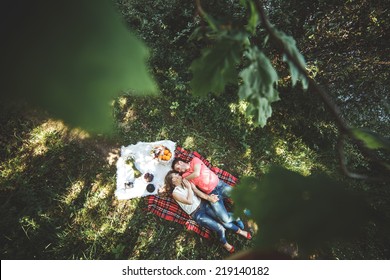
212, 197
195, 173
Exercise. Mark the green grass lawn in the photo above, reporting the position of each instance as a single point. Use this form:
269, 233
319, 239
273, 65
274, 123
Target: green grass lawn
57, 194
57, 183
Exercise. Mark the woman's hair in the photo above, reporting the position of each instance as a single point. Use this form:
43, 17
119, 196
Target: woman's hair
169, 186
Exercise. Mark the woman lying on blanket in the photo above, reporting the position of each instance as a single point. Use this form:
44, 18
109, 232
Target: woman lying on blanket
208, 182
189, 199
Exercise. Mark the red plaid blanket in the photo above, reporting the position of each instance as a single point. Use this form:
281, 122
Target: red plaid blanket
168, 209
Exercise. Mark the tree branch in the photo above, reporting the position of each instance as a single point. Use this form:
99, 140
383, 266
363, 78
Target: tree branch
341, 123
343, 127
343, 162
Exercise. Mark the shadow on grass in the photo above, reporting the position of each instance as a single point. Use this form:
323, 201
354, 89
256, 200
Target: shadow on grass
57, 202
49, 176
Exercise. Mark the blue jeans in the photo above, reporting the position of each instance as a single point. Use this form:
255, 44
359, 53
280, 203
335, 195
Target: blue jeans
223, 191
206, 217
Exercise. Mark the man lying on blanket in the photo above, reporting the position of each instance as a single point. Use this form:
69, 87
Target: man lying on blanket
208, 182
167, 208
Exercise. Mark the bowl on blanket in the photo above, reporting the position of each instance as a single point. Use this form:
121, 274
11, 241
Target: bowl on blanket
148, 177
162, 154
150, 188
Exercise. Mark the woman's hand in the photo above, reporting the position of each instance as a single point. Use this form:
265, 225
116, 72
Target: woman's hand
161, 190
187, 184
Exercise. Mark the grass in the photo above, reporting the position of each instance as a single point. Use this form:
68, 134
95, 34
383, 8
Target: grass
57, 197
58, 183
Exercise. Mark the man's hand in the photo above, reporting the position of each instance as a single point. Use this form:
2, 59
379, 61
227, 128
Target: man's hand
213, 198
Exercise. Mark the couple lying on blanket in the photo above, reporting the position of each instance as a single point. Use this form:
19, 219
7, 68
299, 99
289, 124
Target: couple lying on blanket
200, 193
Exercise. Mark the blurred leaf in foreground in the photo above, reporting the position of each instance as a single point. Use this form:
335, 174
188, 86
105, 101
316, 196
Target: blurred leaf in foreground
307, 210
71, 58
216, 67
371, 139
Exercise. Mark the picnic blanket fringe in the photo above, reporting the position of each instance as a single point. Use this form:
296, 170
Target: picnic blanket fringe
168, 209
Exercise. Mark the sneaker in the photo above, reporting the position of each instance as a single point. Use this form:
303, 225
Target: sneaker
247, 212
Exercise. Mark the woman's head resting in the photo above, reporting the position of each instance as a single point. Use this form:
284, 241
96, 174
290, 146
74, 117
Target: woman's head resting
172, 180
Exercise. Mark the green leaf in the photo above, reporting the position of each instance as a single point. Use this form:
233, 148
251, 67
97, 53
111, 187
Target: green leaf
253, 18
259, 79
291, 48
371, 139
212, 23
216, 67
307, 210
72, 59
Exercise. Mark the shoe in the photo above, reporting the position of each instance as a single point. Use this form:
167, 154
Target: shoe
231, 250
247, 236
239, 223
247, 212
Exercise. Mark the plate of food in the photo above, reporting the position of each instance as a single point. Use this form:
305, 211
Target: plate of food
162, 154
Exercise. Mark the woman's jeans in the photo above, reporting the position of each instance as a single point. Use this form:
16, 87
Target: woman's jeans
206, 217
222, 190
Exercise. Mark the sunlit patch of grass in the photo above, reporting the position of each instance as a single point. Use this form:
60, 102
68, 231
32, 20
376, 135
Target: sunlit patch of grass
78, 134
212, 149
240, 109
11, 167
122, 102
184, 245
163, 133
129, 115
28, 224
248, 153
295, 155
246, 162
189, 143
44, 135
73, 192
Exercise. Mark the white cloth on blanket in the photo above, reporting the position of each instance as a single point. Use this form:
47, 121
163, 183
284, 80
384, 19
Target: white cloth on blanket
145, 163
